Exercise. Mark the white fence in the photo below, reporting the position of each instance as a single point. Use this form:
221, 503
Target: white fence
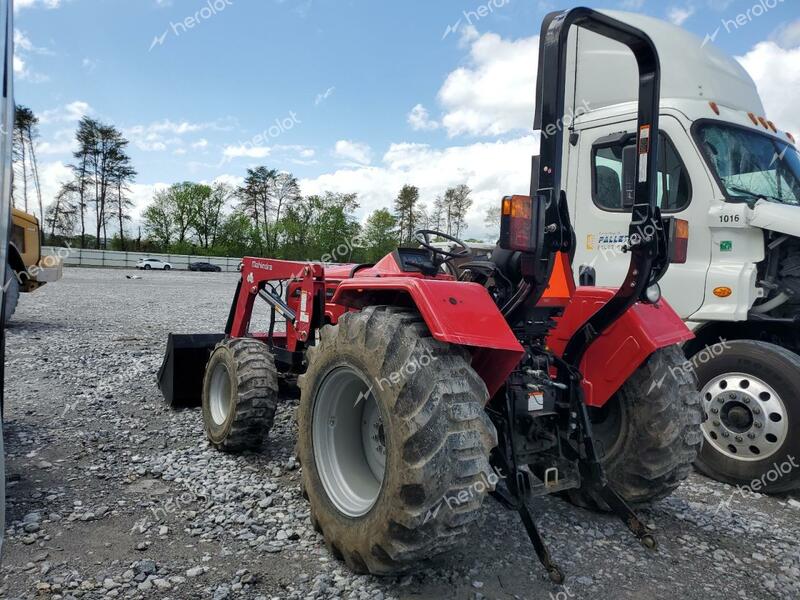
75, 257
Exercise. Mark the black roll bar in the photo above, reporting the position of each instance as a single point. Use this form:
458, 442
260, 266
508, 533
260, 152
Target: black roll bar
646, 225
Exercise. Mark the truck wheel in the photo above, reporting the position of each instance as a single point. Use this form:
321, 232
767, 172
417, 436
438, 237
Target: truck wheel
240, 394
649, 432
393, 439
11, 296
750, 395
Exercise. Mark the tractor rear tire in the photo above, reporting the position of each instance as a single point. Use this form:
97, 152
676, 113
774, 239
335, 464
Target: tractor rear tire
11, 295
393, 439
649, 433
240, 394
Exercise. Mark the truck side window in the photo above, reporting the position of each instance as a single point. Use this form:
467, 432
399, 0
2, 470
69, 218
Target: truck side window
674, 187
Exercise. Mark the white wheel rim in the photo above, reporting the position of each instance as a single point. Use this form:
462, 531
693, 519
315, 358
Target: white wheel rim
746, 419
219, 394
349, 441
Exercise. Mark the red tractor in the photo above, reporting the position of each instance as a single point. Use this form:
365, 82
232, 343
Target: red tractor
423, 392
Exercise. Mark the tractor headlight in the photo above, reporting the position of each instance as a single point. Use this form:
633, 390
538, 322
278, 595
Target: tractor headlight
653, 293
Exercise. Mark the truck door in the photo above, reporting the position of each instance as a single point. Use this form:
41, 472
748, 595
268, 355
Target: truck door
601, 218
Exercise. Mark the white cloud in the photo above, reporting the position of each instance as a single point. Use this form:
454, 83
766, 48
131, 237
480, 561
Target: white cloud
324, 96
162, 135
74, 111
23, 46
679, 15
420, 120
632, 4
200, 144
245, 151
491, 169
354, 152
49, 4
494, 93
776, 72
60, 143
788, 35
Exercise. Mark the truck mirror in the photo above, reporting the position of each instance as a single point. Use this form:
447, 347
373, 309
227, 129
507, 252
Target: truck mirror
629, 157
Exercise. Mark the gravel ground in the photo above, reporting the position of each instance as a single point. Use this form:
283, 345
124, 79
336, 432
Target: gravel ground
113, 495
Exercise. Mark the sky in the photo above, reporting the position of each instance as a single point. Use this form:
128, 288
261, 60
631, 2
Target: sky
356, 96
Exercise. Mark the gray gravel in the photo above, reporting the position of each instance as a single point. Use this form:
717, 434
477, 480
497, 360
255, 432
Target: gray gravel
114, 496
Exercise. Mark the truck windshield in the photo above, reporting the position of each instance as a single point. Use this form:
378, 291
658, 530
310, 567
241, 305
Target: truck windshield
750, 165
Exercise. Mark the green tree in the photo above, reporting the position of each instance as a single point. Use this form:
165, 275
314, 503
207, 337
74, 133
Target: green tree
406, 212
379, 237
236, 235
256, 199
24, 152
158, 218
184, 199
61, 214
122, 175
102, 169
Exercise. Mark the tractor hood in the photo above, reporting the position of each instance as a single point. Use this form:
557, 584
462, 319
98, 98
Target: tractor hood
772, 216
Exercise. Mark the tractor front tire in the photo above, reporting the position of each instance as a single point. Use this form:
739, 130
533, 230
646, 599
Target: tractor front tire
648, 434
393, 439
240, 394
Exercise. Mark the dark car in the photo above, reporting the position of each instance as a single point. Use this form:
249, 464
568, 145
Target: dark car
204, 266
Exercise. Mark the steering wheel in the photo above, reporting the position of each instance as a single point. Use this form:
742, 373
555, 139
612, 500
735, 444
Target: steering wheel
423, 236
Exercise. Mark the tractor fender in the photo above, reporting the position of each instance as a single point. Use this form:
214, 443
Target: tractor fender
620, 351
455, 312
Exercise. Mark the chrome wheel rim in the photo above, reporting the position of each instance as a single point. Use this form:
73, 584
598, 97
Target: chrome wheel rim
746, 419
349, 441
219, 394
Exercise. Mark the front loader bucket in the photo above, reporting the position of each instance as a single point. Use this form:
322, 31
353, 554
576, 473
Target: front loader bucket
181, 374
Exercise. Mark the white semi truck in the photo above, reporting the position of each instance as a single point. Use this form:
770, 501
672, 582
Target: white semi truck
730, 178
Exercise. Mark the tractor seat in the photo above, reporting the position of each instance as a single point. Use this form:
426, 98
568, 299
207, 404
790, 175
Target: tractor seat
484, 267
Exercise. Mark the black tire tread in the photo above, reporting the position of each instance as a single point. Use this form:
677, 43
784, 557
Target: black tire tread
664, 438
257, 395
446, 438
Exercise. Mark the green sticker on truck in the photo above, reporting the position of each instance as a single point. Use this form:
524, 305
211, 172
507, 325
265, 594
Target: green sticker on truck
726, 246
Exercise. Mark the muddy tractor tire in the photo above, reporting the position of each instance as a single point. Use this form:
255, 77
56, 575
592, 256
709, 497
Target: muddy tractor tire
750, 396
240, 394
393, 439
648, 434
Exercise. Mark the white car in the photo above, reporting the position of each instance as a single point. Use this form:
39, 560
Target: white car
153, 263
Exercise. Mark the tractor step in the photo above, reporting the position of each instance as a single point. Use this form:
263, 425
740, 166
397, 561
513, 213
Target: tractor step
180, 377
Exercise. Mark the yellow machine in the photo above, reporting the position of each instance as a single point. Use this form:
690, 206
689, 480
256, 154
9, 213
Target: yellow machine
27, 269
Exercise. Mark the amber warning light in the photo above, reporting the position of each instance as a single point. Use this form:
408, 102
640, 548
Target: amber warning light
515, 223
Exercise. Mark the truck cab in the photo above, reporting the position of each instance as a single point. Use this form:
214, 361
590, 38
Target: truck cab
729, 179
